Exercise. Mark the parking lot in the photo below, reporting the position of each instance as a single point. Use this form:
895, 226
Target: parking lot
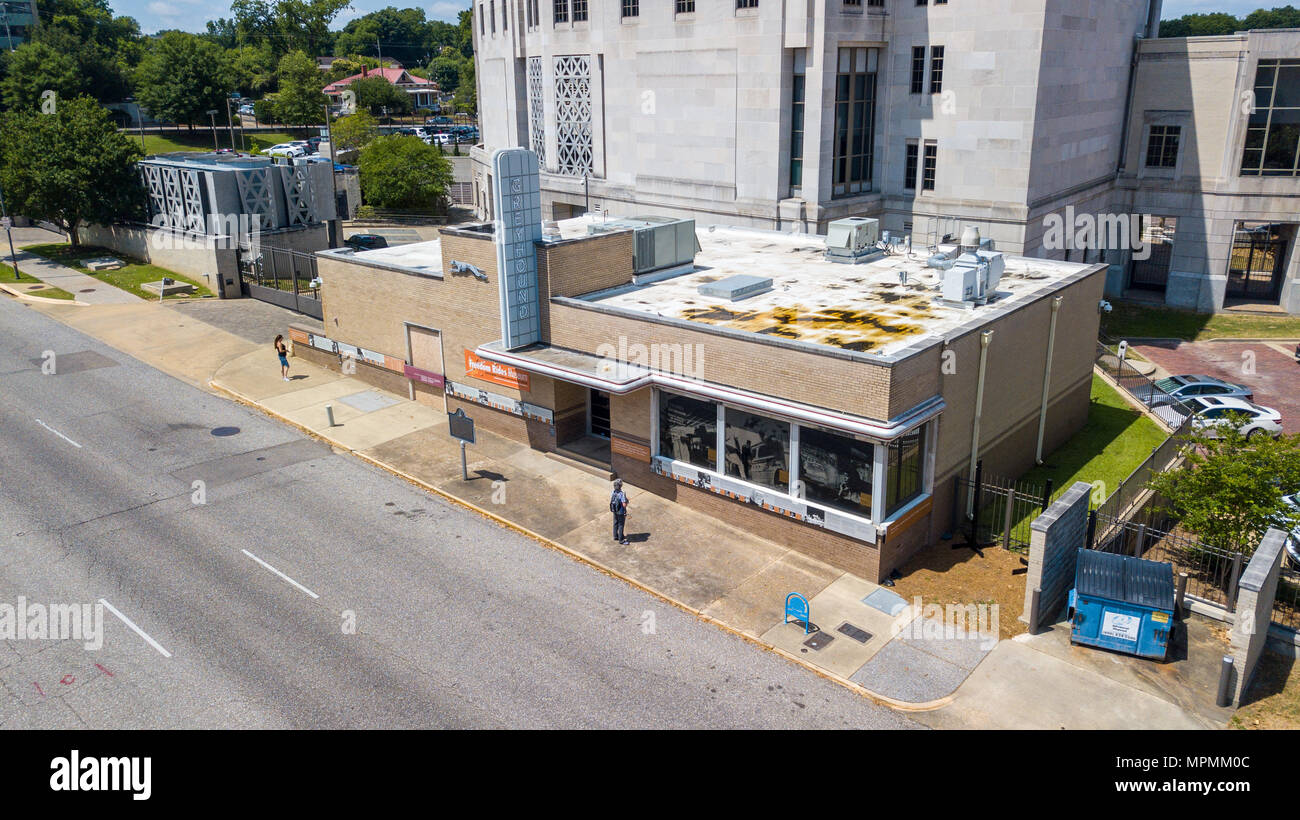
1268, 368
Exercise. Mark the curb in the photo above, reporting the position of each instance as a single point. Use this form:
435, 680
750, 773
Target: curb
41, 299
875, 697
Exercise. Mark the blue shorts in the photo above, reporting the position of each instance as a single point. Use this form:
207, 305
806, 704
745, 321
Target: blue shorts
284, 360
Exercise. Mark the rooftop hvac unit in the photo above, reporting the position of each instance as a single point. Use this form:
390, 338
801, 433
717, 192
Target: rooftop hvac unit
960, 283
661, 242
853, 240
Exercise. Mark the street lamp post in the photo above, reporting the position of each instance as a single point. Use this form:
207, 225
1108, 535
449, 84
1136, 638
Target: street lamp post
212, 117
4, 216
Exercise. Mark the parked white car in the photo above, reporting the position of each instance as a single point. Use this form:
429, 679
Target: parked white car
286, 149
1211, 412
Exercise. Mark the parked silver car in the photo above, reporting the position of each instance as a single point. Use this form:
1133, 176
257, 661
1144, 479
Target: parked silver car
1178, 388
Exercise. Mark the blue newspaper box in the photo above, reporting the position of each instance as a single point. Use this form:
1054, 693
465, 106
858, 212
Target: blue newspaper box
1122, 603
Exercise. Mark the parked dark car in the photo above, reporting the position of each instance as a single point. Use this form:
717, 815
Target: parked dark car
365, 241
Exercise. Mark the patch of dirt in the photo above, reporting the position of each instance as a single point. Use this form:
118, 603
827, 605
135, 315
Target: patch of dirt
1274, 694
943, 575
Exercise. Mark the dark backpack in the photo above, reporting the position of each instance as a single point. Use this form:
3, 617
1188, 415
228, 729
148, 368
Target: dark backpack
615, 506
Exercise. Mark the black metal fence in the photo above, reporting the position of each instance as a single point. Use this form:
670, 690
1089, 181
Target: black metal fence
282, 277
1286, 606
995, 511
1212, 572
1140, 387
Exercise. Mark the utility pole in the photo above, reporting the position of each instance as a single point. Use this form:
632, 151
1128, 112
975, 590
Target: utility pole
334, 182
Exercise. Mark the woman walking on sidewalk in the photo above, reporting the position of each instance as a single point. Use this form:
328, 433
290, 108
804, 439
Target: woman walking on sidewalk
284, 357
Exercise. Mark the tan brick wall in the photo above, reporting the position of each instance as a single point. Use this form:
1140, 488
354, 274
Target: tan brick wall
860, 388
588, 265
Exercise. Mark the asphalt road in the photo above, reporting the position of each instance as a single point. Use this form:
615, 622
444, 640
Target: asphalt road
458, 622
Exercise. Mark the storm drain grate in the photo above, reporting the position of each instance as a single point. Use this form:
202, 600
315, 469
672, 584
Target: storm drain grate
856, 633
818, 641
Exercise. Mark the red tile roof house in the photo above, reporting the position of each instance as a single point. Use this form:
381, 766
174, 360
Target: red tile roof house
424, 93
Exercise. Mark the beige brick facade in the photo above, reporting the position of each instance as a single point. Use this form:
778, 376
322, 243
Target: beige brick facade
368, 305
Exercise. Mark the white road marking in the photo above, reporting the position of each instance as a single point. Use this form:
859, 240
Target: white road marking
137, 629
281, 574
57, 433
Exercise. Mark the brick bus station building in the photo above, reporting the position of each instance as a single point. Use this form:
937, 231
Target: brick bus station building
820, 391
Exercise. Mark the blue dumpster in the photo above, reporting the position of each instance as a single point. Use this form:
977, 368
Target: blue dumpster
1122, 603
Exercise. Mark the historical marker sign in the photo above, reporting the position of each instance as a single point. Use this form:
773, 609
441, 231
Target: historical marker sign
461, 426
517, 198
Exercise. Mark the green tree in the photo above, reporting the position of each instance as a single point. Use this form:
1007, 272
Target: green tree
402, 34
106, 48
288, 25
34, 68
466, 98
1229, 489
465, 33
182, 77
300, 101
70, 167
254, 69
1199, 25
355, 131
445, 71
1280, 17
377, 94
403, 172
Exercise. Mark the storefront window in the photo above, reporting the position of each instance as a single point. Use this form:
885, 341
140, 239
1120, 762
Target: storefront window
904, 470
836, 470
688, 430
758, 449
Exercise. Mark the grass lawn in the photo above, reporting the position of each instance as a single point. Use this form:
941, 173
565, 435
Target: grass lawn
1110, 445
202, 141
23, 279
1133, 320
129, 277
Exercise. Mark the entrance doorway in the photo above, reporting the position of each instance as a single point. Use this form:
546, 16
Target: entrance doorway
598, 413
1257, 264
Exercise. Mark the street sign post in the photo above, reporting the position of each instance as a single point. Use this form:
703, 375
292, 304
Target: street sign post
461, 428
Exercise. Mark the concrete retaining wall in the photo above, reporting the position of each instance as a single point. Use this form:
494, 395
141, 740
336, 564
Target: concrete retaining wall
1255, 593
1054, 542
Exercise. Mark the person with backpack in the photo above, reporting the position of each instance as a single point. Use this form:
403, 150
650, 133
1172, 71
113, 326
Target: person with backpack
618, 506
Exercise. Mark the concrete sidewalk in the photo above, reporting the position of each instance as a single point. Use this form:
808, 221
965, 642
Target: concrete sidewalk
86, 289
720, 573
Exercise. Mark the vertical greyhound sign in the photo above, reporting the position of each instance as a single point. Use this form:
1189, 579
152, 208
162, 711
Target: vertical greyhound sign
517, 198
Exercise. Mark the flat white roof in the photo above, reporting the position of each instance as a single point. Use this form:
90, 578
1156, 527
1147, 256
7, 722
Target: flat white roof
864, 307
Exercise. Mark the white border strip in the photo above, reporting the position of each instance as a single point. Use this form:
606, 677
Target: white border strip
135, 628
281, 574
57, 433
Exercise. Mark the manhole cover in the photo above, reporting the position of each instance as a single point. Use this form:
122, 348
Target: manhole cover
225, 431
856, 633
818, 641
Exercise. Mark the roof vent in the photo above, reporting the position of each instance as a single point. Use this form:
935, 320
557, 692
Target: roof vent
737, 287
853, 240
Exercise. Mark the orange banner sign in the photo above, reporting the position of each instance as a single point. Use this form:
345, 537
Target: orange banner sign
495, 372
631, 449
